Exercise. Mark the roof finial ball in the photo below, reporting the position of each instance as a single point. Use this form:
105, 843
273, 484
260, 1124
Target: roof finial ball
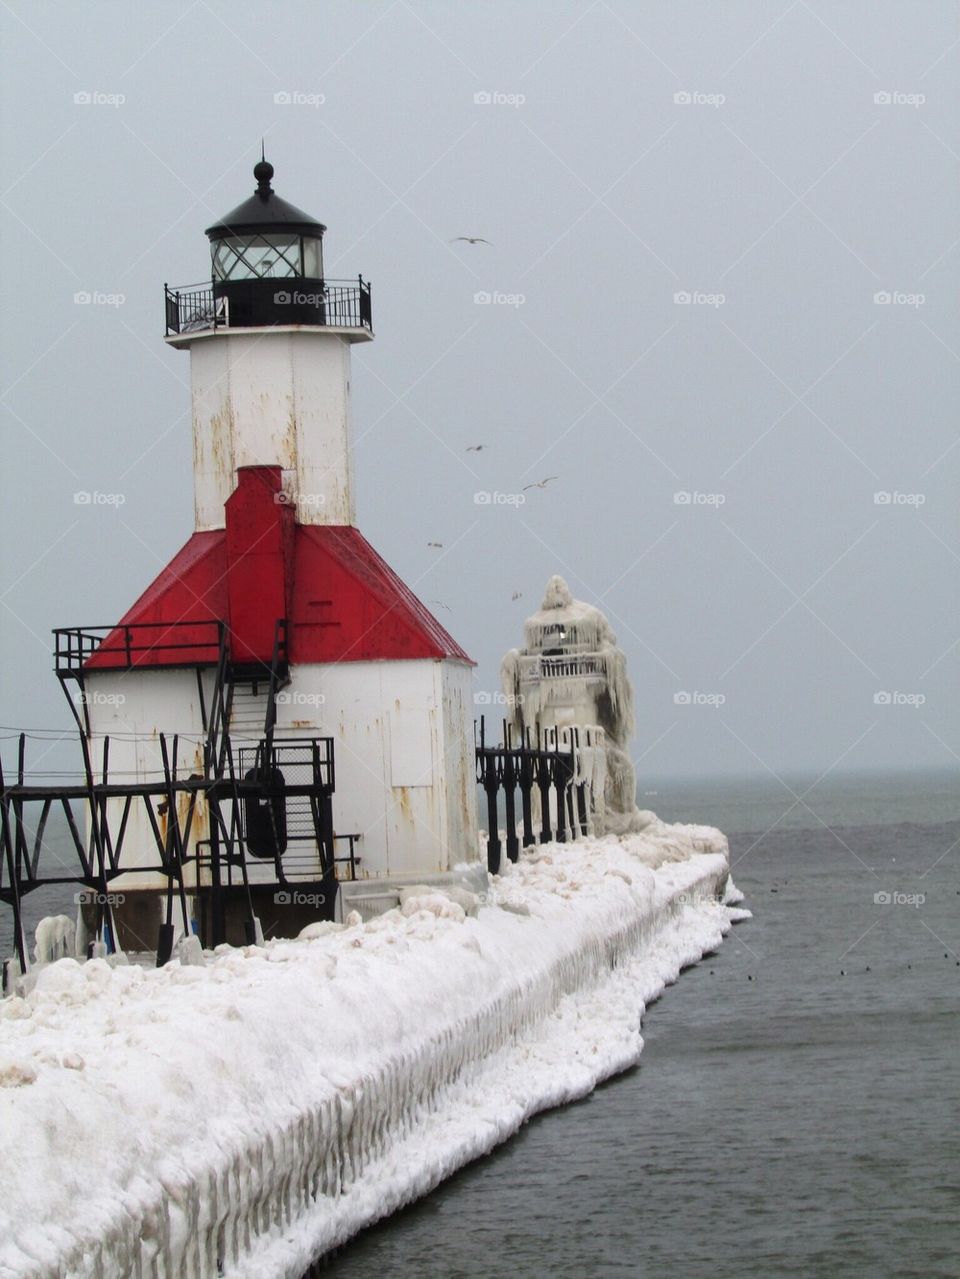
263, 172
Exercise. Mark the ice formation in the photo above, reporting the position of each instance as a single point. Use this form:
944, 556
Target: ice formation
56, 938
570, 671
245, 1115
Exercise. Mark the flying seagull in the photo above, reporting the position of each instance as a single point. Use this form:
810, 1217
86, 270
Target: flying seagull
475, 448
470, 239
541, 484
442, 605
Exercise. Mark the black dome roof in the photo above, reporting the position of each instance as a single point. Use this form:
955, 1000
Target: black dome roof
265, 211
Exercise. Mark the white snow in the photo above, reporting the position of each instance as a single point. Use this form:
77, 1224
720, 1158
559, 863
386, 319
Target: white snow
262, 1107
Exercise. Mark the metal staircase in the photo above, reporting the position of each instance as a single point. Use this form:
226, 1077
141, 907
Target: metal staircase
249, 709
285, 784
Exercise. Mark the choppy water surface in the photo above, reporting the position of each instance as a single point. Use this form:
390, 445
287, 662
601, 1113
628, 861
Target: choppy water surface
796, 1107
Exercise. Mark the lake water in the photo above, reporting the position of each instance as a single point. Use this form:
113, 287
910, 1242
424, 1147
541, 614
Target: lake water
797, 1106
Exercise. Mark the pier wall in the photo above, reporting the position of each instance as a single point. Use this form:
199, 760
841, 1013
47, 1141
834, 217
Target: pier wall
547, 1002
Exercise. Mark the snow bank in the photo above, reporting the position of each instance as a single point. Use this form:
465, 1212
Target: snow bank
254, 1111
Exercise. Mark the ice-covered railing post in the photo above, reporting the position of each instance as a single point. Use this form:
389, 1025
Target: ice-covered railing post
561, 774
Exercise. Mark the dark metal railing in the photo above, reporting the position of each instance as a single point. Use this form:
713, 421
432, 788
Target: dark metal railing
194, 307
350, 858
526, 764
122, 647
348, 306
343, 304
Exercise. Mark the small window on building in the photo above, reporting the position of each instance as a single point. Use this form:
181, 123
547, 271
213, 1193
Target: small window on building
313, 258
256, 257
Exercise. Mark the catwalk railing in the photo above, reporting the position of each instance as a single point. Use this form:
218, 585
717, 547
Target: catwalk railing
537, 667
122, 647
194, 308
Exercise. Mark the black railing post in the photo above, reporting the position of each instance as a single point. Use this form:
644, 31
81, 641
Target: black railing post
218, 917
489, 778
491, 786
543, 782
13, 876
560, 788
509, 787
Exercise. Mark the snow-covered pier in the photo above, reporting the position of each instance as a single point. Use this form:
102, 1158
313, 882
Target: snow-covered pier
243, 1115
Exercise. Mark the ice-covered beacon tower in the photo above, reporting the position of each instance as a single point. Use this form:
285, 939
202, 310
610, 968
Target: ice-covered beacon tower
278, 595
568, 684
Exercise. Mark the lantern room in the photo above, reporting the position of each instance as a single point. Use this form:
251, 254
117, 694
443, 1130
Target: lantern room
266, 269
267, 259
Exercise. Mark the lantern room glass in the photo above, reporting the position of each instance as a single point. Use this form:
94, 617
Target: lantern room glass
267, 257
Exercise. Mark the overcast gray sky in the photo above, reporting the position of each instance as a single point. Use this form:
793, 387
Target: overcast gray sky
736, 152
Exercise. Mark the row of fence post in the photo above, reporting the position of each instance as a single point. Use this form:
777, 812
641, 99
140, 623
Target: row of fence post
524, 765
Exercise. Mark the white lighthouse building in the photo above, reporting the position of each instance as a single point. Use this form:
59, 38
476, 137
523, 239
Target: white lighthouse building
277, 644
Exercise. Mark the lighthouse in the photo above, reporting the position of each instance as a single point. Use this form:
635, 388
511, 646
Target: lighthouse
277, 649
568, 687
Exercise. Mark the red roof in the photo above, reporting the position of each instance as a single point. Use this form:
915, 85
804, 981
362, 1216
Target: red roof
349, 605
343, 601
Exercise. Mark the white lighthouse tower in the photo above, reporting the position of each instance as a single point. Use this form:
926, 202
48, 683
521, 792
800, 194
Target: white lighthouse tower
277, 644
269, 346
